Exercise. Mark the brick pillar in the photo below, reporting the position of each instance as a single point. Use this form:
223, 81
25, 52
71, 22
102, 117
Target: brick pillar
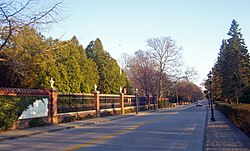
97, 103
52, 105
122, 103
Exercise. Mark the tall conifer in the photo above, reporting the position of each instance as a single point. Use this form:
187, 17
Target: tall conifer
111, 78
232, 68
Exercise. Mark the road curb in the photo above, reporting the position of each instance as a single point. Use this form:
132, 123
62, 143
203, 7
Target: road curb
205, 135
63, 128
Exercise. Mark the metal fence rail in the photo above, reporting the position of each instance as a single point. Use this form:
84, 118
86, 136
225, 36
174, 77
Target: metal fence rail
129, 100
143, 101
109, 101
75, 102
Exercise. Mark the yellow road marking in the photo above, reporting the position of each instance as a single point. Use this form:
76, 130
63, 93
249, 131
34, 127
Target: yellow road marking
172, 113
102, 138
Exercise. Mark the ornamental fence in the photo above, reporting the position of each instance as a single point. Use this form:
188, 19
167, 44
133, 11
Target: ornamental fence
54, 107
75, 102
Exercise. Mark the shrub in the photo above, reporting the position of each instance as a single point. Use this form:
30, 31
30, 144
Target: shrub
68, 118
8, 112
239, 114
131, 110
11, 107
245, 98
106, 113
35, 122
160, 104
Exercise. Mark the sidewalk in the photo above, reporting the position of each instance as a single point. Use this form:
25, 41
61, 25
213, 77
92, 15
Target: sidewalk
19, 133
223, 135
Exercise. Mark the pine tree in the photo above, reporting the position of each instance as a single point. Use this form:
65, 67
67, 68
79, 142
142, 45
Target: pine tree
231, 71
218, 74
240, 60
75, 73
109, 71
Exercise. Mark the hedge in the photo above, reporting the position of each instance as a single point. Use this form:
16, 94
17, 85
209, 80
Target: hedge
11, 107
35, 122
239, 114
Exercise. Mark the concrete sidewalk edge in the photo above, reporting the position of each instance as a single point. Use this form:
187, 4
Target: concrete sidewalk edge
53, 129
205, 138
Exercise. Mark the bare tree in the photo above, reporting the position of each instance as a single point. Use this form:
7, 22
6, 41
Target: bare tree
188, 90
167, 55
15, 15
142, 72
123, 61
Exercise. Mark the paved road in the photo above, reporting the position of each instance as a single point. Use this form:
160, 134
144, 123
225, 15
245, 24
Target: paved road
180, 129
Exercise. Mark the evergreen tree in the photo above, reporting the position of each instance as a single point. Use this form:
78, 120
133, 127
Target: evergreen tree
31, 60
25, 60
220, 72
239, 61
232, 68
73, 71
111, 78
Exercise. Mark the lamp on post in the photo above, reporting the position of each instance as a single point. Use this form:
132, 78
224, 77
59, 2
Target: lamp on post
137, 101
210, 94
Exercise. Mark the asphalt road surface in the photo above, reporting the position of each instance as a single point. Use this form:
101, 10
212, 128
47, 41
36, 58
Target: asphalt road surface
179, 129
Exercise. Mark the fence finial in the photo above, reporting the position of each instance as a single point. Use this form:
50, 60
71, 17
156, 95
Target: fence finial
52, 83
95, 87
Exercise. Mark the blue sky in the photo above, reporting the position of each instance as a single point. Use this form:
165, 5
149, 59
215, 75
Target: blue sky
123, 26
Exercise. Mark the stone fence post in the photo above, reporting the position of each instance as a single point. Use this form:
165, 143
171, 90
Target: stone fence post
52, 105
122, 103
97, 103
